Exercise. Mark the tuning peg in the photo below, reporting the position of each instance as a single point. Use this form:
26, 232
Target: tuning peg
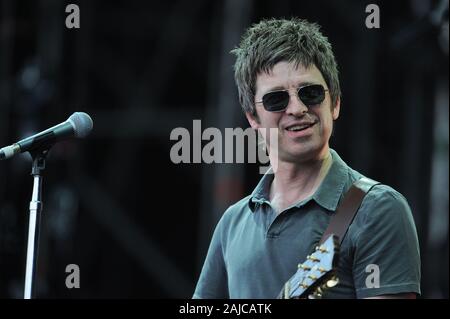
333, 281
312, 258
317, 294
321, 269
301, 266
312, 277
322, 249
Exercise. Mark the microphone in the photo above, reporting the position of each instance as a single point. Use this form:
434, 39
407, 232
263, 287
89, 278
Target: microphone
79, 124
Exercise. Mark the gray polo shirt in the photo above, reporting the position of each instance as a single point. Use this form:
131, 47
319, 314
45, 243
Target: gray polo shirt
254, 251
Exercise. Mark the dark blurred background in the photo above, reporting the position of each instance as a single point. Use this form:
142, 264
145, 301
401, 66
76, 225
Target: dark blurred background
115, 204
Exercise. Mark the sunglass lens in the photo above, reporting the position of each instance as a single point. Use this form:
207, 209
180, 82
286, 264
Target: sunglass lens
276, 101
312, 94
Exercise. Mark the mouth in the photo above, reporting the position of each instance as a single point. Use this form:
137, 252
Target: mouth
299, 127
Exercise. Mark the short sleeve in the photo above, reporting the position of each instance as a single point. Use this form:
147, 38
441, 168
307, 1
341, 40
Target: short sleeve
212, 283
386, 253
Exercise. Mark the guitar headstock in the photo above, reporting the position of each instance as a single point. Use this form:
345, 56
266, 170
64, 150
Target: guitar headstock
316, 274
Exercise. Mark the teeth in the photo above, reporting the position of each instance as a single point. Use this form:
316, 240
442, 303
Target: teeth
298, 127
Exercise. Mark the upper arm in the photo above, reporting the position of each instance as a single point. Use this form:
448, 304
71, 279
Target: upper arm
213, 283
386, 257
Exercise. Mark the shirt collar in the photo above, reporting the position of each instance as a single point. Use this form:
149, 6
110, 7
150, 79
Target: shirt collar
327, 195
331, 188
261, 193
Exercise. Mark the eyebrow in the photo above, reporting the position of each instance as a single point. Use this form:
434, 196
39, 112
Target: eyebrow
299, 85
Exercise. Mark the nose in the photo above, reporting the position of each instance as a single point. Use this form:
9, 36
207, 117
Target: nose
295, 106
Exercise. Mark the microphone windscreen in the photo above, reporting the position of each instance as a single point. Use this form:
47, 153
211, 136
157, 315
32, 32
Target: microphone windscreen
82, 123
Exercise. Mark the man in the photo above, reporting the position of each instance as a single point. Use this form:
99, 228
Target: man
287, 79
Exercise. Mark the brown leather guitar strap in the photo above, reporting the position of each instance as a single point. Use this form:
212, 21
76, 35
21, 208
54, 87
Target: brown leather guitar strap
348, 208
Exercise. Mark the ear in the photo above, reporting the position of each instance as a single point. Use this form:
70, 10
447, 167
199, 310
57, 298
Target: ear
336, 108
253, 120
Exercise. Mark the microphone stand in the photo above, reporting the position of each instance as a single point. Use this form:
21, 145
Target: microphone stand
34, 224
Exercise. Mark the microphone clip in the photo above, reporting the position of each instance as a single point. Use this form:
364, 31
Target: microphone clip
38, 156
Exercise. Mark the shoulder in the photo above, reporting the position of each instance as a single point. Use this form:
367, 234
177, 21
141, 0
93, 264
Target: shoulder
384, 208
240, 207
384, 198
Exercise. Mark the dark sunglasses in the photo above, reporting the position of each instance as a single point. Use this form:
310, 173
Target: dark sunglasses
277, 101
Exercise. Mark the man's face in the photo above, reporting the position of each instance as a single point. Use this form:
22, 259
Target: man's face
295, 145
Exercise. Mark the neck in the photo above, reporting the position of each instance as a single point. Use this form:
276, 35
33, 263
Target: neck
296, 181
